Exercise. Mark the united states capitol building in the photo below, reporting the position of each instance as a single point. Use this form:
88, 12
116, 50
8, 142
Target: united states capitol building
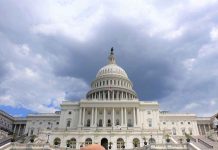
113, 116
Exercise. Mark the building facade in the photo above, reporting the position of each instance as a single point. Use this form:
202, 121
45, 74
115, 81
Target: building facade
12, 125
111, 115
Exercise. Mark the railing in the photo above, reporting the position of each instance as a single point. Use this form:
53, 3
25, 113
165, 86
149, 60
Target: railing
5, 142
205, 144
193, 139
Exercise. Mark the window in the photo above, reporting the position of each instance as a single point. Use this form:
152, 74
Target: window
100, 123
172, 122
69, 112
89, 112
117, 122
164, 122
183, 131
109, 112
129, 112
40, 123
88, 123
120, 143
57, 123
181, 122
100, 112
149, 112
129, 124
88, 141
109, 123
49, 123
174, 131
189, 123
68, 123
149, 122
117, 112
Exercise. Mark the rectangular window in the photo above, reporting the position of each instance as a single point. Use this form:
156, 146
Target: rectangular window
150, 123
68, 123
149, 112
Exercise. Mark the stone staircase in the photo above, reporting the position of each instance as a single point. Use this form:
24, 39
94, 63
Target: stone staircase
195, 143
209, 141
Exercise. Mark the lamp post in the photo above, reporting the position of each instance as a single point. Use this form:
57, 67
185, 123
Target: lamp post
48, 137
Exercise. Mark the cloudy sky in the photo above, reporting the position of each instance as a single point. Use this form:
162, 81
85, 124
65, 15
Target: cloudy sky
51, 50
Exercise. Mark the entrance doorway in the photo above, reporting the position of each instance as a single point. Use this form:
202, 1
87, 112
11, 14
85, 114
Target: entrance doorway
104, 143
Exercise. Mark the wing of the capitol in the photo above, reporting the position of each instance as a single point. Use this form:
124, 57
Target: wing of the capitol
112, 115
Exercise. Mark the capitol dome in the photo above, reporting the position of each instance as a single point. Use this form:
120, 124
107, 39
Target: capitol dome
111, 83
111, 69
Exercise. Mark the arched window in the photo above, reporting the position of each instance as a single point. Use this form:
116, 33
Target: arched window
88, 123
136, 142
120, 143
57, 141
174, 131
73, 142
88, 141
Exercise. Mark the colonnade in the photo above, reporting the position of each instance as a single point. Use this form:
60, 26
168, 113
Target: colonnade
96, 116
203, 128
19, 129
111, 95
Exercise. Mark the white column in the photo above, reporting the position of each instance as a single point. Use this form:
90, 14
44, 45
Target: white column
15, 127
138, 117
18, 133
96, 116
104, 124
113, 117
84, 111
125, 116
134, 122
92, 120
80, 116
103, 95
121, 116
108, 95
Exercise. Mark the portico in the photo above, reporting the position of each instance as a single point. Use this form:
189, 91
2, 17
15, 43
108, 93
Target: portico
108, 116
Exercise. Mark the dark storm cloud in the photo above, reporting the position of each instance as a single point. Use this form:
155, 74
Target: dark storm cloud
166, 54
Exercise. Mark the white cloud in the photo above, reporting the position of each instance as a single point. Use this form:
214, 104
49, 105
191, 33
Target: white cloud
31, 84
214, 34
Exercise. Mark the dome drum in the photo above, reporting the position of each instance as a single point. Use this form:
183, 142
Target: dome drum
115, 94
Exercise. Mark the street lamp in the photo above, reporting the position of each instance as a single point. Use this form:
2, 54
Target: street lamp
48, 137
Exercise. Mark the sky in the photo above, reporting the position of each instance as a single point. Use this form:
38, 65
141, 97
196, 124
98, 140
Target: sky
51, 50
